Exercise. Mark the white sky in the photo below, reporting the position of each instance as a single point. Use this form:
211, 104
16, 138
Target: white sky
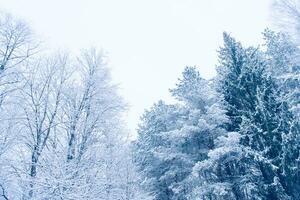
148, 42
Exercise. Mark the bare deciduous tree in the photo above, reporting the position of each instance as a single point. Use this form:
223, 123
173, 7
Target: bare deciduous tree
41, 100
16, 42
61, 124
16, 46
286, 14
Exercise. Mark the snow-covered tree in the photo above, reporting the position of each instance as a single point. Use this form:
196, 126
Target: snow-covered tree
283, 57
16, 47
284, 63
259, 114
151, 160
40, 102
172, 138
286, 16
62, 129
88, 155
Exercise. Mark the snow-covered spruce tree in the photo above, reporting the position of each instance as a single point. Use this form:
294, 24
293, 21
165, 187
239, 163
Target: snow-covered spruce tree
204, 122
228, 173
259, 114
283, 57
172, 138
230, 170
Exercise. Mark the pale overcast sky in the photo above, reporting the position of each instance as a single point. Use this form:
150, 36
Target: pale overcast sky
148, 42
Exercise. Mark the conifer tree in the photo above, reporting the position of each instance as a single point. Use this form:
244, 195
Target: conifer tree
173, 138
258, 113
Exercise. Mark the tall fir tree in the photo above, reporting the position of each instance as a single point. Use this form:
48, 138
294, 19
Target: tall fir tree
283, 57
259, 114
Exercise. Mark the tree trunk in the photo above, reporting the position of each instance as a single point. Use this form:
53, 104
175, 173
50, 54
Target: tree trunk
33, 169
